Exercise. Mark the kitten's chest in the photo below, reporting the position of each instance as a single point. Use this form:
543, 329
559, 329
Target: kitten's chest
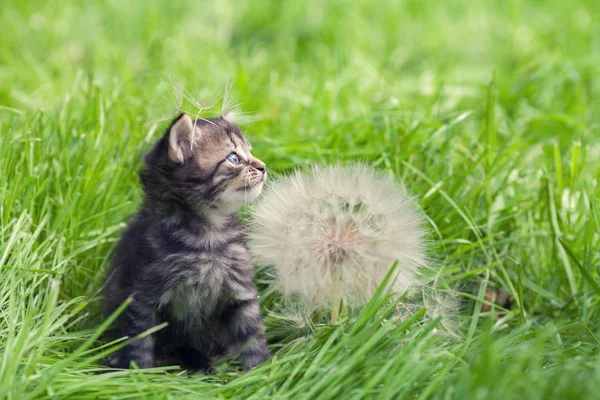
211, 283
194, 302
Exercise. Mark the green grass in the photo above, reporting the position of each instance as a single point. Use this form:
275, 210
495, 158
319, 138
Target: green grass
488, 110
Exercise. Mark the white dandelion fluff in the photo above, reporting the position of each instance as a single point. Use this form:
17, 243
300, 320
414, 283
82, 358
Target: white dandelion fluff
173, 98
333, 233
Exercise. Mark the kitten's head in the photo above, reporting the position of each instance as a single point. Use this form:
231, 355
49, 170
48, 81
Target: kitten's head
204, 161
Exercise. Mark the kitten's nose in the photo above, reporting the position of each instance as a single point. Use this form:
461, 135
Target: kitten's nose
259, 165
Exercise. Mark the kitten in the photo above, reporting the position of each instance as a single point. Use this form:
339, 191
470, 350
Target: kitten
184, 259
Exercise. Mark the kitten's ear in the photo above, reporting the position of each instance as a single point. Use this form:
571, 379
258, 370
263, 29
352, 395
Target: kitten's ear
181, 138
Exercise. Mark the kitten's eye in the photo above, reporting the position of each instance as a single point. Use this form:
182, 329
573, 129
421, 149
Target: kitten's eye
233, 158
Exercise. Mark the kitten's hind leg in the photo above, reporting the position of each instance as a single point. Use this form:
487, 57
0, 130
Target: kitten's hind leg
135, 320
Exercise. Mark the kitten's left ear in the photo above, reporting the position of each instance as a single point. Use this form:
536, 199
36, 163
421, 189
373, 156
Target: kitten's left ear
181, 138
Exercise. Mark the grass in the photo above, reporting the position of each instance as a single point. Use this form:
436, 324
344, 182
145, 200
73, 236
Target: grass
487, 110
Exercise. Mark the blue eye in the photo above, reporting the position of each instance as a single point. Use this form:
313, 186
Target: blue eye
233, 158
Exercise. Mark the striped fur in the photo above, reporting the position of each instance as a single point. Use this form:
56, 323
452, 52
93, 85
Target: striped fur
184, 259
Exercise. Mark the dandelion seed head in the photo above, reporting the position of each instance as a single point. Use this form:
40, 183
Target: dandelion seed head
337, 229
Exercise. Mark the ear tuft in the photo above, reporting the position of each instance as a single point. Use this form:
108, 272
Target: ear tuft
181, 136
229, 116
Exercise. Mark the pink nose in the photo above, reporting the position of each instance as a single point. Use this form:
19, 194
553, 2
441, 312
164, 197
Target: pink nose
259, 165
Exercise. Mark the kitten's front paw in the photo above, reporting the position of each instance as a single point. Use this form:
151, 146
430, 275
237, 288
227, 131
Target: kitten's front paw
117, 362
255, 359
111, 361
123, 361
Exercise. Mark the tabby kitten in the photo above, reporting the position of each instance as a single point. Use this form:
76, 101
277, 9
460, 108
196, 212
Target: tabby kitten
184, 259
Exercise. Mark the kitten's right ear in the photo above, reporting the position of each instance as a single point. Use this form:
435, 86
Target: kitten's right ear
180, 138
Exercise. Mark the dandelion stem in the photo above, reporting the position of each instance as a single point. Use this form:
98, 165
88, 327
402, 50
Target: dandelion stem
336, 298
335, 307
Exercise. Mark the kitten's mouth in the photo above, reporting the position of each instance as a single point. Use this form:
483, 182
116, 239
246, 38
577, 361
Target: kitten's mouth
251, 185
